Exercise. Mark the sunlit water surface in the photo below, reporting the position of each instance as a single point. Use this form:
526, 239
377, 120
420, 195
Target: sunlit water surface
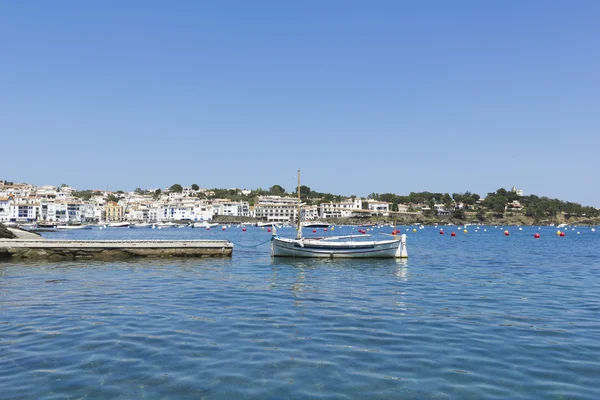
479, 315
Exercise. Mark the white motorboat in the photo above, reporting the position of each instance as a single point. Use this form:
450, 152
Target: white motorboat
203, 224
336, 246
73, 227
266, 224
315, 224
165, 225
141, 225
119, 225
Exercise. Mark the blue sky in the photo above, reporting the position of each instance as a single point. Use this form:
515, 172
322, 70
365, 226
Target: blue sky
383, 96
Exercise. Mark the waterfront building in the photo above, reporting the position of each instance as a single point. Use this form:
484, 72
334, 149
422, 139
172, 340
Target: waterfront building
24, 212
403, 208
276, 208
113, 211
5, 205
378, 207
343, 209
231, 208
202, 212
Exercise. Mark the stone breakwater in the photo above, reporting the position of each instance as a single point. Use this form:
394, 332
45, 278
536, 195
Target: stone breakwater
111, 249
5, 233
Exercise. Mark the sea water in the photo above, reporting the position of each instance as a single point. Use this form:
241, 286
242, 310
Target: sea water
479, 315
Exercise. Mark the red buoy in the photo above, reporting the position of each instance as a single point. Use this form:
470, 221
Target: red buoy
506, 233
441, 231
324, 229
243, 229
453, 234
562, 234
537, 236
394, 233
268, 229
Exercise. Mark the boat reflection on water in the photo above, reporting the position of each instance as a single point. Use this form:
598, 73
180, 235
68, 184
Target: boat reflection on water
314, 270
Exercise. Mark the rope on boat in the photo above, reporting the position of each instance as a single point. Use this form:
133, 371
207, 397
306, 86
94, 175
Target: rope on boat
250, 246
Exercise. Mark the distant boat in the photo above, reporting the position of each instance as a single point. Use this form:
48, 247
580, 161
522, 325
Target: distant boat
562, 225
119, 225
315, 224
73, 227
266, 224
163, 225
203, 224
141, 225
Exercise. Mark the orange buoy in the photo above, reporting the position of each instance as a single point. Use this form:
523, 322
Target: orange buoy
453, 234
537, 236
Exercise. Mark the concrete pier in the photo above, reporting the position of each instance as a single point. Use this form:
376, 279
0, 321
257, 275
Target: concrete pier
108, 249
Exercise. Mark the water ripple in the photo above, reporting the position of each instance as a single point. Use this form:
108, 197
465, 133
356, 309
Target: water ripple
477, 317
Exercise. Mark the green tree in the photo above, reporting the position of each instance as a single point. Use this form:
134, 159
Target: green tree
195, 186
138, 191
276, 190
112, 197
481, 214
157, 194
176, 188
458, 214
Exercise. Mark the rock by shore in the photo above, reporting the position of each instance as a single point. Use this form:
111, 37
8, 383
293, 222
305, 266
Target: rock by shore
16, 233
5, 233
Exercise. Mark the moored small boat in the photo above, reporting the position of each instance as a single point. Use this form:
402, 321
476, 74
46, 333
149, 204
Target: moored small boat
119, 225
73, 227
140, 225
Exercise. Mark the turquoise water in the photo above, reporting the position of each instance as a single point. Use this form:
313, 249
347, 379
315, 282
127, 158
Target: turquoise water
479, 315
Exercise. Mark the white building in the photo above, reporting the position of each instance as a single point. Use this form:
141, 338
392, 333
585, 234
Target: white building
202, 212
276, 208
5, 208
342, 209
234, 209
519, 192
46, 191
175, 212
379, 207
24, 212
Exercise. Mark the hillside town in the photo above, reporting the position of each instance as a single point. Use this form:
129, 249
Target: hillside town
22, 202
27, 203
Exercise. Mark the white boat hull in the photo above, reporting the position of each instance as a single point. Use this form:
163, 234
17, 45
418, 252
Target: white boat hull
140, 226
119, 225
281, 247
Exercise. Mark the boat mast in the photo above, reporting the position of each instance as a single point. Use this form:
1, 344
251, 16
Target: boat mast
299, 226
